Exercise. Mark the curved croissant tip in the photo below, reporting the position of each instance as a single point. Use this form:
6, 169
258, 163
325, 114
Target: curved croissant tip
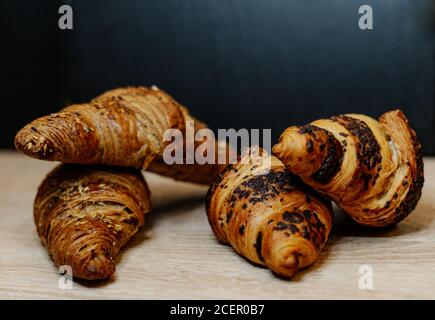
396, 110
33, 144
288, 266
392, 111
99, 268
277, 149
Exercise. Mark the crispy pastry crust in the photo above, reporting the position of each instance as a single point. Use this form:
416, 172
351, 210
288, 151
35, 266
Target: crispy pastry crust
124, 127
268, 217
85, 214
194, 172
374, 168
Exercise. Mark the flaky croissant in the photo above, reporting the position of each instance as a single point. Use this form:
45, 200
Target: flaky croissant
267, 215
124, 127
85, 214
372, 169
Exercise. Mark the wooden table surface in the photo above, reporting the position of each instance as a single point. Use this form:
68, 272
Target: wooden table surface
175, 256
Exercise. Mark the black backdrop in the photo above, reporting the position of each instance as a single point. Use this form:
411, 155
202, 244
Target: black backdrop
234, 63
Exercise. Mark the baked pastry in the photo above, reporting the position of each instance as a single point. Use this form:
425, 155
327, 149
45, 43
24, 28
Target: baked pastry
372, 169
267, 215
122, 127
85, 214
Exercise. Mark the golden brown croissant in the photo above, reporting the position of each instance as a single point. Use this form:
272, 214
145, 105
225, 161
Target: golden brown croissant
124, 126
85, 214
372, 169
194, 172
269, 217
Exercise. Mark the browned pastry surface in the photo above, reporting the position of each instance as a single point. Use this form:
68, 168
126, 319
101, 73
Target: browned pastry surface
194, 172
124, 126
85, 214
269, 217
372, 169
114, 129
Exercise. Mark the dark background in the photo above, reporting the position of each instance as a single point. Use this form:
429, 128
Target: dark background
234, 63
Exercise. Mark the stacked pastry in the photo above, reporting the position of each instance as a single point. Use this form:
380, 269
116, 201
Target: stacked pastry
90, 206
272, 216
274, 210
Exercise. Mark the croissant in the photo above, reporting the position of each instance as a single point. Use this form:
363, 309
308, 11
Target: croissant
372, 169
85, 214
267, 215
124, 127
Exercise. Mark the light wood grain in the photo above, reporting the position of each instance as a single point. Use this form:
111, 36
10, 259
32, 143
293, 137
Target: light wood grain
175, 256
